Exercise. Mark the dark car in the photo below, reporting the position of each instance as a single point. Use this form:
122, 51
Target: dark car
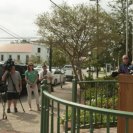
21, 68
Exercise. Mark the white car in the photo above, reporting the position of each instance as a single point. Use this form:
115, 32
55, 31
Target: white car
58, 77
38, 68
57, 74
68, 71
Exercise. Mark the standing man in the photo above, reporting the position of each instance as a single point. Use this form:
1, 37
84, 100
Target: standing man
45, 74
125, 65
14, 85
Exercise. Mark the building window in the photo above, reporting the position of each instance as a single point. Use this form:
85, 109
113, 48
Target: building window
18, 57
2, 57
39, 50
10, 56
27, 58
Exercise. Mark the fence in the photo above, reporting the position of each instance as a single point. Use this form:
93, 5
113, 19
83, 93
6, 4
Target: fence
79, 115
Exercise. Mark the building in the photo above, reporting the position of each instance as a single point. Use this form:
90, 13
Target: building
22, 53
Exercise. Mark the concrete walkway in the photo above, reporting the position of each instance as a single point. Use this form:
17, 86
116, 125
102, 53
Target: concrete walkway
29, 122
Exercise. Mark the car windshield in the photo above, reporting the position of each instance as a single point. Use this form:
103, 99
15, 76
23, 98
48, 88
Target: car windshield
69, 66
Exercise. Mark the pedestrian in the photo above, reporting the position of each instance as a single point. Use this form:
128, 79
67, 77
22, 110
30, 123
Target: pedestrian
124, 67
14, 87
46, 75
31, 77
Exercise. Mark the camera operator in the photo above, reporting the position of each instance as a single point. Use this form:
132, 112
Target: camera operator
124, 67
12, 77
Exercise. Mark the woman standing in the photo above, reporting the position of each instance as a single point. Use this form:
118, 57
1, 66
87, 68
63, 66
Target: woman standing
31, 77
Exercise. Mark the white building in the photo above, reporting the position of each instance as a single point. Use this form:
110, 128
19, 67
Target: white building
22, 53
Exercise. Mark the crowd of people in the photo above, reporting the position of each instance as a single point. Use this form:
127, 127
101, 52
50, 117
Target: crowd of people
14, 84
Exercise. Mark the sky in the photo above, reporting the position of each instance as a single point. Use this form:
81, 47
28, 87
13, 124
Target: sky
18, 16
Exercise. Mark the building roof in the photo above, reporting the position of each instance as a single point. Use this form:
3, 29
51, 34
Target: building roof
16, 48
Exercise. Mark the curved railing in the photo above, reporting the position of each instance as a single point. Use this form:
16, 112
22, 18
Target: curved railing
53, 108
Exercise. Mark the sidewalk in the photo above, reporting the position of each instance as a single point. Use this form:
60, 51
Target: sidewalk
29, 122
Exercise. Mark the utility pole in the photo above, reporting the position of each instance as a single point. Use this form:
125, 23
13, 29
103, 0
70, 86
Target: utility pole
97, 41
50, 57
97, 4
127, 27
132, 34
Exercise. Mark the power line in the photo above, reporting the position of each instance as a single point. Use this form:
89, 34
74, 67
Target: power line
16, 35
9, 33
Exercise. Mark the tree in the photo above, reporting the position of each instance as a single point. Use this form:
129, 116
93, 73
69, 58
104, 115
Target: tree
73, 31
59, 58
35, 59
119, 14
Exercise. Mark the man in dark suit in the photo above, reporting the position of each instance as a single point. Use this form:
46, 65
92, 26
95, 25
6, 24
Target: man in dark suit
124, 67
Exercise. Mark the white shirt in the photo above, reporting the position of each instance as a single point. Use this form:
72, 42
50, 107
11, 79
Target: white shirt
48, 74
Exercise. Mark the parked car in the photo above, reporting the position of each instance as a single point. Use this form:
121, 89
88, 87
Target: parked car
58, 76
68, 71
38, 69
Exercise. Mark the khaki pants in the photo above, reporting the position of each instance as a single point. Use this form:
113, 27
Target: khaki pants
29, 92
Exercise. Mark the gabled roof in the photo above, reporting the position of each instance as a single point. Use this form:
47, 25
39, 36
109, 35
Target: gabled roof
15, 48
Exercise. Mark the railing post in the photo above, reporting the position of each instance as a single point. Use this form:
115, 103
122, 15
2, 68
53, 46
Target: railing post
44, 101
74, 90
74, 99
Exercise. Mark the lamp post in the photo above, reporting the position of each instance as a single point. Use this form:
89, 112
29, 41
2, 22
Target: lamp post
89, 53
132, 34
127, 27
97, 12
50, 57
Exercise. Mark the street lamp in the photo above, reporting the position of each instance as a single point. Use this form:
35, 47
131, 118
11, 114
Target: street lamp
89, 53
97, 4
127, 27
132, 34
50, 57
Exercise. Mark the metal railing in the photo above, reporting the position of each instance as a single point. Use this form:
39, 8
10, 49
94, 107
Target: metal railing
76, 116
98, 93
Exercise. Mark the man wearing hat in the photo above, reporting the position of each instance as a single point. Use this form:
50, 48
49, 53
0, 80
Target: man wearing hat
45, 74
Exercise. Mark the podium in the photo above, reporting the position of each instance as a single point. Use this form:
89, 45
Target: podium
125, 101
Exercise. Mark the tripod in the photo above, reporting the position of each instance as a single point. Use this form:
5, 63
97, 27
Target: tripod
3, 102
16, 92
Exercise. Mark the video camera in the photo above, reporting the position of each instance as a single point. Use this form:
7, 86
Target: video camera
8, 64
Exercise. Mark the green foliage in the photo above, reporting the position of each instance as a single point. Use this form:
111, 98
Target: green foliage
74, 32
108, 78
36, 59
59, 58
88, 78
101, 119
118, 8
98, 94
